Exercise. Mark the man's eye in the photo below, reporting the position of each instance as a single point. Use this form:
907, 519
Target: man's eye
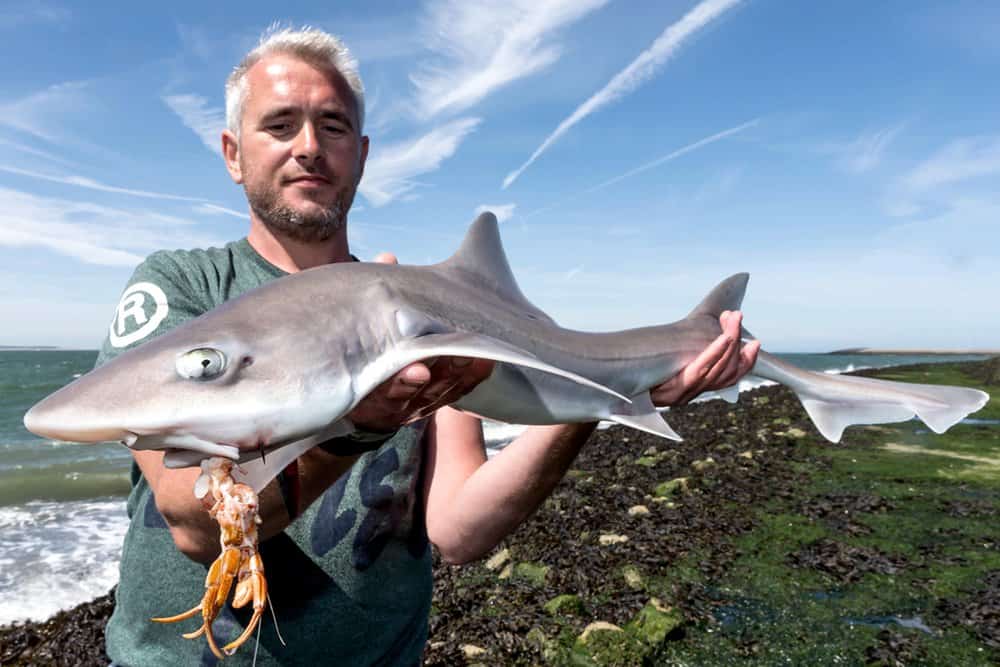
278, 127
335, 129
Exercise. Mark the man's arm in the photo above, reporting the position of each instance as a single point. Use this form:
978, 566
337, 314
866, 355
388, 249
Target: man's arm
473, 503
195, 533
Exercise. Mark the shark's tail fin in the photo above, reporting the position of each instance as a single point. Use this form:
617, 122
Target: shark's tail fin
835, 402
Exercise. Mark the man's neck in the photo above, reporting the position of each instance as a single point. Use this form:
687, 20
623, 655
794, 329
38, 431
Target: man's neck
293, 255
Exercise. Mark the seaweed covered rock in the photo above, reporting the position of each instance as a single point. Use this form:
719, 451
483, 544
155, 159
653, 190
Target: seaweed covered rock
74, 637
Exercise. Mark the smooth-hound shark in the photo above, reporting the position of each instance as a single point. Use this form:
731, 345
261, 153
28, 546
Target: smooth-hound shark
277, 369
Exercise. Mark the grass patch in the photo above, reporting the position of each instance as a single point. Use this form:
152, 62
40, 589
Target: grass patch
935, 526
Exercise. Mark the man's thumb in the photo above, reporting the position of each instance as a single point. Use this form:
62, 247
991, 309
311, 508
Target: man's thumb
386, 258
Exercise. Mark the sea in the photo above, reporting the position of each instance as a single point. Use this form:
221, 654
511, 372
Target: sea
62, 505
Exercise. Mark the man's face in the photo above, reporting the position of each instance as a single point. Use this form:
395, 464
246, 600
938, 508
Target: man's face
300, 154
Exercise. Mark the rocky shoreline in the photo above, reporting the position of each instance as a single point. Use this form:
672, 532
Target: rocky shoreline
585, 574
632, 504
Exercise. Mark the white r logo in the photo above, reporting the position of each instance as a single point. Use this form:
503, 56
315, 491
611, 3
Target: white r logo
133, 307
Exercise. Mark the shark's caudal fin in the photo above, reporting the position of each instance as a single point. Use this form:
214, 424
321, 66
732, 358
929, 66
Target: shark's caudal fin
835, 402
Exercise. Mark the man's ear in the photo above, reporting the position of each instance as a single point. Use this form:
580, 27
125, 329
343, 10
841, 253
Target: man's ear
231, 154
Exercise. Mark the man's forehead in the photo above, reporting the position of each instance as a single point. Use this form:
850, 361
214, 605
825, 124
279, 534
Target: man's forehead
283, 73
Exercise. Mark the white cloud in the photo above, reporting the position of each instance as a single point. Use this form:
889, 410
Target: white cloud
42, 113
198, 41
960, 160
18, 14
88, 232
503, 212
864, 153
91, 184
638, 71
207, 122
215, 209
947, 176
967, 229
38, 152
484, 46
390, 171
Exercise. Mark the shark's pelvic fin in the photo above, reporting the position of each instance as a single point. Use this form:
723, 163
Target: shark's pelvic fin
730, 394
642, 415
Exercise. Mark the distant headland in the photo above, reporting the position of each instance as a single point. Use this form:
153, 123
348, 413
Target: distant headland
880, 350
29, 347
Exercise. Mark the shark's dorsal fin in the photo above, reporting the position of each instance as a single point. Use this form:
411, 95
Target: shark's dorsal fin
481, 258
727, 295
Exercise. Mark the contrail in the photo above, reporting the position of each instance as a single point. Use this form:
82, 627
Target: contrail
649, 165
675, 154
638, 71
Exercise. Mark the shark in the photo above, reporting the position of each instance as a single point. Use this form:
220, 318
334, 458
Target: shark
264, 377
249, 386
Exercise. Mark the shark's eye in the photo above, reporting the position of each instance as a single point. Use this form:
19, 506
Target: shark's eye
204, 363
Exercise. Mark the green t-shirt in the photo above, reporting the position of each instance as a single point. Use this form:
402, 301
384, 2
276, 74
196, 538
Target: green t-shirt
349, 580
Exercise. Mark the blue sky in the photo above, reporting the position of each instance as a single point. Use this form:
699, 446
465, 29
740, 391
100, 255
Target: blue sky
846, 154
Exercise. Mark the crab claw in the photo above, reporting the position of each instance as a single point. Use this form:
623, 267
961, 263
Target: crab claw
218, 583
251, 586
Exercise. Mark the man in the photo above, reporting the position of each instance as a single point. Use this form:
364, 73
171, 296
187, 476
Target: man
347, 555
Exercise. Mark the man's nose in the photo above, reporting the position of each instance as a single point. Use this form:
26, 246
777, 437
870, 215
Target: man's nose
306, 147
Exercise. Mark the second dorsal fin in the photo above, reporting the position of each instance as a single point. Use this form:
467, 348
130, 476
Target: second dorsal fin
727, 295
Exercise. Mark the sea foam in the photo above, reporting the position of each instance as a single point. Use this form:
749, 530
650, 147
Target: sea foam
56, 555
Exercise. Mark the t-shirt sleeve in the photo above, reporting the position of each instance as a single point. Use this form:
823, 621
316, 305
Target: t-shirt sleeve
157, 298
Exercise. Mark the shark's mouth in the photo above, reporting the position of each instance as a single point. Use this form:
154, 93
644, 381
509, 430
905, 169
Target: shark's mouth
184, 449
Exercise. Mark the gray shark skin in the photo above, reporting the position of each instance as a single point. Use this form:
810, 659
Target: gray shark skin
280, 367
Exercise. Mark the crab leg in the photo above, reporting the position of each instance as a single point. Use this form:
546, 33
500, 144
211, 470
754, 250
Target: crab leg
235, 510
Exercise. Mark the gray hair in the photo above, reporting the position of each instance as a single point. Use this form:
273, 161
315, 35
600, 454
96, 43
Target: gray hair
309, 44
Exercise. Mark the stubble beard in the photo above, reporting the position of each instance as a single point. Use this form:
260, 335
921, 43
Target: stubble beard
282, 219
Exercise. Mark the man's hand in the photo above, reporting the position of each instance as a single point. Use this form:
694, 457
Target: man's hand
418, 389
720, 365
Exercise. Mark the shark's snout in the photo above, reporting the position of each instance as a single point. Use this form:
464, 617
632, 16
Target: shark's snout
59, 419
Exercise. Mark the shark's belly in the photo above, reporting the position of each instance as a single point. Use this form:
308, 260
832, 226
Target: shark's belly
524, 396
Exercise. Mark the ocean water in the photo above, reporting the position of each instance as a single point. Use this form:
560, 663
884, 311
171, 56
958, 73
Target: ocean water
62, 505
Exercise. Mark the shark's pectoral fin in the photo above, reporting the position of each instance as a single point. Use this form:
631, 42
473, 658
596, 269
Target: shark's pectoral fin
642, 415
478, 346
